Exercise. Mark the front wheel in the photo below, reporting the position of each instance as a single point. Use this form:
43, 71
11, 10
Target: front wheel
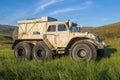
83, 50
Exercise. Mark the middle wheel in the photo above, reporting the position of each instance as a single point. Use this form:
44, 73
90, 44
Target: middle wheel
42, 52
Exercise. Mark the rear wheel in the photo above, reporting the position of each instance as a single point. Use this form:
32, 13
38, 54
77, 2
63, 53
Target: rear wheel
42, 52
83, 50
22, 50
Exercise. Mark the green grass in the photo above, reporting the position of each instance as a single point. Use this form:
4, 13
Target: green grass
63, 68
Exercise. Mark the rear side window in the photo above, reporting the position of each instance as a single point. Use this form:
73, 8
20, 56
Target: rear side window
52, 28
62, 27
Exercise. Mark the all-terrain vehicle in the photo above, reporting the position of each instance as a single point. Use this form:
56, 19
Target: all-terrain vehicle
44, 37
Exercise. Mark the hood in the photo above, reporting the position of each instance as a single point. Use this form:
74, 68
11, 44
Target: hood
83, 34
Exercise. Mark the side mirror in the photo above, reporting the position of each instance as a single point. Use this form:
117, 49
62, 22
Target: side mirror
69, 23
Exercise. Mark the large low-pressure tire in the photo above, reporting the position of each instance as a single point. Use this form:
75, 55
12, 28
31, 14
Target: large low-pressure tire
23, 50
94, 50
83, 50
42, 52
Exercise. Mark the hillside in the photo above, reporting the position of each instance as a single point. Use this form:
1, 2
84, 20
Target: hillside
108, 31
6, 32
85, 28
110, 34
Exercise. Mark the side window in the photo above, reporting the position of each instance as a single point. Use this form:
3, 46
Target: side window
62, 27
52, 28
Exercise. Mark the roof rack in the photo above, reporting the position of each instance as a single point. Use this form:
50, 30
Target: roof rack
34, 20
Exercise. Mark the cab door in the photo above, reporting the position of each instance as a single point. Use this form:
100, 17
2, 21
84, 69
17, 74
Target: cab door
51, 35
62, 35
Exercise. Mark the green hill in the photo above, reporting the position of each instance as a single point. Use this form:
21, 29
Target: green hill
6, 29
6, 33
108, 31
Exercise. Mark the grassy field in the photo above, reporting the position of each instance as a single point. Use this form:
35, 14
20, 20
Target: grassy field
108, 68
64, 68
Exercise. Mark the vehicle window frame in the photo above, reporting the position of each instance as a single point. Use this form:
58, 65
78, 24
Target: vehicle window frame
62, 30
52, 30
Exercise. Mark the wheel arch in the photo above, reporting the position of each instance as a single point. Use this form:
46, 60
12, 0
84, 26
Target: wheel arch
28, 41
75, 39
15, 43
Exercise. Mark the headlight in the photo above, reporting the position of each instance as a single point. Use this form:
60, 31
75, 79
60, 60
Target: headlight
93, 36
104, 43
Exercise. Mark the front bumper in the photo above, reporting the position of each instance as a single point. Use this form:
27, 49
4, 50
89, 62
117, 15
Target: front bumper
101, 45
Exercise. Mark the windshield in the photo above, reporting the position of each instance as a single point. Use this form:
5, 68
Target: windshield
73, 29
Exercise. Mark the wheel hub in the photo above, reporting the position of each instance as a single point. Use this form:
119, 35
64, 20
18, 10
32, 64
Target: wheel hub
21, 52
40, 53
82, 53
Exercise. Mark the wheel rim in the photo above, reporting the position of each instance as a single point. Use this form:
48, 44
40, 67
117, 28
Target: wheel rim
81, 53
21, 51
40, 53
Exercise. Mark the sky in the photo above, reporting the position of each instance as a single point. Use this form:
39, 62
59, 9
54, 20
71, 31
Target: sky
84, 12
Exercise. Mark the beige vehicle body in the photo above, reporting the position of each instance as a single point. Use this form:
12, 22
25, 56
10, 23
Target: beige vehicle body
55, 34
